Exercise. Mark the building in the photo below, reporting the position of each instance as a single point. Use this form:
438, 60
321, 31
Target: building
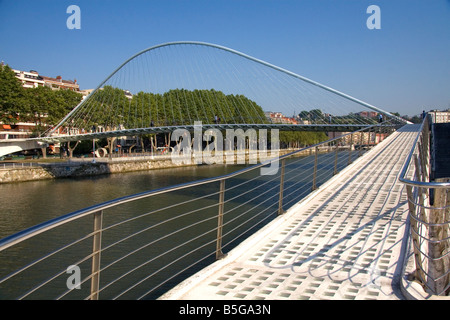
440, 116
29, 79
32, 79
86, 92
19, 130
59, 83
278, 117
368, 114
358, 138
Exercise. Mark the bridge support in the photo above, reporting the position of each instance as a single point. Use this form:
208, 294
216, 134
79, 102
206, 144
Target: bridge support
16, 145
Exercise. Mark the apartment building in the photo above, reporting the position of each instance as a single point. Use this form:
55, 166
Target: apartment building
32, 79
29, 79
440, 116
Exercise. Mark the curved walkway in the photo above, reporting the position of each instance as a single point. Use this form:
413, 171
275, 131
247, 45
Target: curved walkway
347, 240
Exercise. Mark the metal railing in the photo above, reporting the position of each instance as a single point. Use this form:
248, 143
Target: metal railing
142, 245
429, 215
19, 165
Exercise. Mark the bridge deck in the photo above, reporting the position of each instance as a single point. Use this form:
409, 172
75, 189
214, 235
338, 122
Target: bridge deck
347, 240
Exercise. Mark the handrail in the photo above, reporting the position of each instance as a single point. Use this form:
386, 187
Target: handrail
408, 162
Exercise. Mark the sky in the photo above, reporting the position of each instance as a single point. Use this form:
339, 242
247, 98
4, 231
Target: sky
402, 67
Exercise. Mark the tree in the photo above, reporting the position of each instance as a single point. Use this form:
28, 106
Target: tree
316, 115
110, 108
40, 104
13, 102
416, 119
297, 139
65, 101
304, 115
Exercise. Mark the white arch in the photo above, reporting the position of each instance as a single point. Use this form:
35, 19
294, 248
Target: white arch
237, 53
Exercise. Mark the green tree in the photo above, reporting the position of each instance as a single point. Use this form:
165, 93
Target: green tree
64, 102
13, 102
297, 139
110, 107
416, 119
40, 101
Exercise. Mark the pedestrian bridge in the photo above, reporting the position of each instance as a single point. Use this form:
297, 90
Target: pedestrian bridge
362, 233
328, 223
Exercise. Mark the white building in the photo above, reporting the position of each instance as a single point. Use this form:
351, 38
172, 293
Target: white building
440, 116
32, 79
29, 79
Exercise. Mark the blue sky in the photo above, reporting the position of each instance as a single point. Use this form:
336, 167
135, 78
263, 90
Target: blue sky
403, 67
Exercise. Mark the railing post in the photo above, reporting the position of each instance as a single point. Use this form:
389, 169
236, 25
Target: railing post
378, 130
360, 143
426, 150
314, 186
96, 252
219, 253
350, 149
422, 178
280, 201
421, 224
336, 159
422, 163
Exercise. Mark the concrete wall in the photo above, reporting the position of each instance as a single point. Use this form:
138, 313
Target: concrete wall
79, 169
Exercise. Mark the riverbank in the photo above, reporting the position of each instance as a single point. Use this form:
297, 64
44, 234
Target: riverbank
72, 169
26, 170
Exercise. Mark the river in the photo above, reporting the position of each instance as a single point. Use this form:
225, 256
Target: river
25, 204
